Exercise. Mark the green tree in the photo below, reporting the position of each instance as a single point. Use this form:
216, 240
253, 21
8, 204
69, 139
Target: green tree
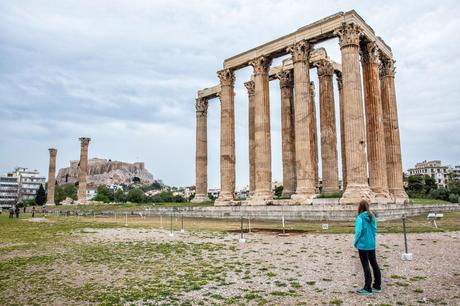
64, 191
278, 191
415, 185
135, 195
40, 196
119, 196
430, 183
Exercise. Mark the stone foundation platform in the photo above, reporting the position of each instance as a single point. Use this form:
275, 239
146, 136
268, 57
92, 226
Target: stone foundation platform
315, 212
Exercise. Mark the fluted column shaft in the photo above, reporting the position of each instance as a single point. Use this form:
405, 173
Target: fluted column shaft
227, 137
374, 120
252, 168
83, 169
355, 142
342, 131
313, 128
305, 171
51, 177
391, 130
328, 132
201, 170
287, 132
262, 138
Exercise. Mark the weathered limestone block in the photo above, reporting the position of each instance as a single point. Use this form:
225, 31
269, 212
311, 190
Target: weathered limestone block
305, 170
51, 177
375, 134
391, 129
355, 142
328, 130
201, 171
227, 137
262, 138
287, 132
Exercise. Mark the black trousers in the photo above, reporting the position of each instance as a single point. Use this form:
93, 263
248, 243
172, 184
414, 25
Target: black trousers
367, 257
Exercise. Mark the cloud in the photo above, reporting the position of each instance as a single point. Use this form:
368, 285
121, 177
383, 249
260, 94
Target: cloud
126, 74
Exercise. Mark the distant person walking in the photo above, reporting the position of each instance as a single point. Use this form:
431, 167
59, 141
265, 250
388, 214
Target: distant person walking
11, 210
33, 211
365, 233
17, 211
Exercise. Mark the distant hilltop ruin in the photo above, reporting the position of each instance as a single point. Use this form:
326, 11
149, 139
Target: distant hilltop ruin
106, 172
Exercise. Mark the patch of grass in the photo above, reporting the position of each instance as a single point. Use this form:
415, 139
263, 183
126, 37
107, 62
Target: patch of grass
418, 290
336, 302
311, 283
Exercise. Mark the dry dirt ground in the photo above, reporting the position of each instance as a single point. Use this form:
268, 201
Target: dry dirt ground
318, 269
137, 266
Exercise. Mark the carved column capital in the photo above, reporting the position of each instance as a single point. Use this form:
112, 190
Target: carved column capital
300, 51
250, 86
387, 67
324, 68
84, 141
226, 77
349, 34
53, 152
285, 78
261, 64
370, 53
201, 106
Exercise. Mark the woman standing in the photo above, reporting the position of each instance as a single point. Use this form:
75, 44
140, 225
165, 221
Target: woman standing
365, 232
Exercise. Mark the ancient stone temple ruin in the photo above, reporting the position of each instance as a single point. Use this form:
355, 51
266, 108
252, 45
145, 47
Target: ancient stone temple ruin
369, 134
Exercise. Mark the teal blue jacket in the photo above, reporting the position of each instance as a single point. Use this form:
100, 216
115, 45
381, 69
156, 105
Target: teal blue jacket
365, 232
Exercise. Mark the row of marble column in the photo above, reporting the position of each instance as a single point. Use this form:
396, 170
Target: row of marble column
82, 173
299, 132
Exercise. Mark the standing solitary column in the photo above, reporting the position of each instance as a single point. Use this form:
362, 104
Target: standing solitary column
201, 171
328, 132
263, 160
375, 135
355, 142
305, 171
83, 168
287, 132
391, 129
51, 177
342, 131
227, 137
313, 128
252, 168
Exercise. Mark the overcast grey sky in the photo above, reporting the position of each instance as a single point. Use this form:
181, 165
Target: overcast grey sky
125, 73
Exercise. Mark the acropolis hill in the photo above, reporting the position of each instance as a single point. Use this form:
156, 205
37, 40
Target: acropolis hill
106, 172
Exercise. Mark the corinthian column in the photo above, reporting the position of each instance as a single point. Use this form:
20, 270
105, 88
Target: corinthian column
355, 142
201, 164
327, 126
305, 170
391, 130
252, 168
375, 135
227, 137
262, 150
83, 168
287, 132
314, 146
51, 177
342, 131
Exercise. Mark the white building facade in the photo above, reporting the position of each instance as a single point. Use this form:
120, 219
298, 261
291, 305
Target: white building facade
433, 168
19, 186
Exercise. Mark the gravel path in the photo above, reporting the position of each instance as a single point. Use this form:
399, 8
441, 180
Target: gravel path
319, 269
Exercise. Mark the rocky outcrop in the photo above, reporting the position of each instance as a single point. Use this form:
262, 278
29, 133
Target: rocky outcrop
106, 172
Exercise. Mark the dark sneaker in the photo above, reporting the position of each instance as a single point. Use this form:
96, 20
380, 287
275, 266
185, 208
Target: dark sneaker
363, 292
376, 290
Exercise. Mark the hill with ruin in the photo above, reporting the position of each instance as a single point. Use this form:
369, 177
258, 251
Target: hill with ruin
106, 172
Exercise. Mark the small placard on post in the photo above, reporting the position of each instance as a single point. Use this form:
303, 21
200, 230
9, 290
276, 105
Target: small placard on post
325, 226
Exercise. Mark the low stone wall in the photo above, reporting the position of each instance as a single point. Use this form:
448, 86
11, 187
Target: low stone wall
316, 212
